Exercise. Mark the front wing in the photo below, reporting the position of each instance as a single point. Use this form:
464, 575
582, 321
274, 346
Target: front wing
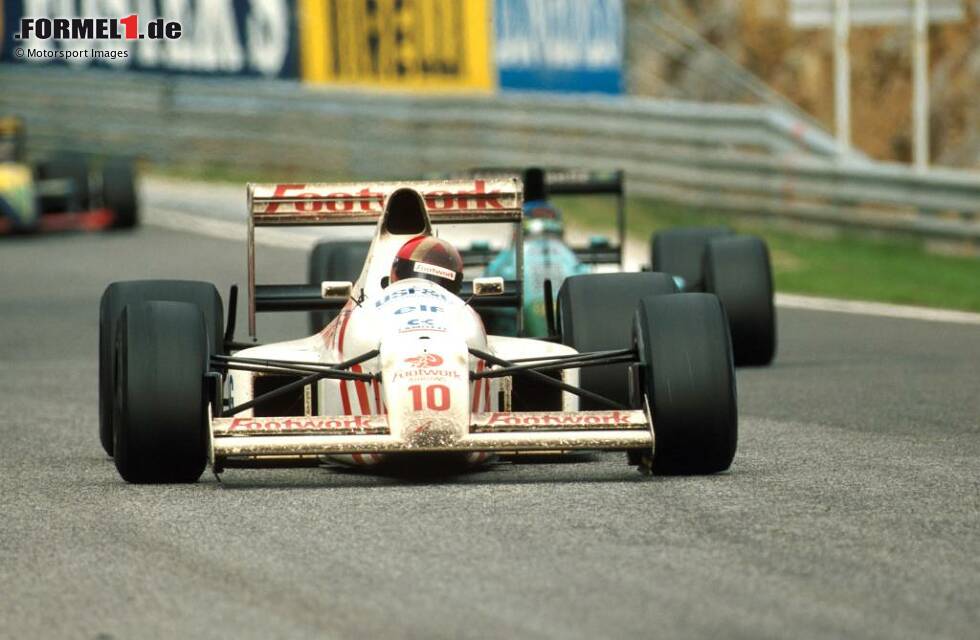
275, 438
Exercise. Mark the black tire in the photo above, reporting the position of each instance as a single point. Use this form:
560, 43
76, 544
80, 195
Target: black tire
159, 400
119, 193
680, 252
340, 260
688, 377
119, 294
737, 270
74, 169
595, 313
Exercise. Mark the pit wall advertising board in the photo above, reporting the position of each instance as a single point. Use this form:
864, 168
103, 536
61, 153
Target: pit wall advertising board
404, 44
201, 37
545, 45
559, 45
425, 45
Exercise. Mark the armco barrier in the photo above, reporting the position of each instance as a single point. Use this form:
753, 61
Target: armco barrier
723, 157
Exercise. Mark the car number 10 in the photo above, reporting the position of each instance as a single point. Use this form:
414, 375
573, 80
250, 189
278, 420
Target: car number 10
436, 397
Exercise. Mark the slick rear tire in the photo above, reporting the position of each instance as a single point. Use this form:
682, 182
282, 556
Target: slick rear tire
680, 252
737, 270
159, 400
595, 313
340, 260
689, 380
119, 193
117, 295
75, 170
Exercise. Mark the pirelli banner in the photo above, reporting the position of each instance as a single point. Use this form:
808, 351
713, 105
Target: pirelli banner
405, 44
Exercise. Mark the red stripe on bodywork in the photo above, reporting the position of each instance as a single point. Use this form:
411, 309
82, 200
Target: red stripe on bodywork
362, 395
345, 313
344, 399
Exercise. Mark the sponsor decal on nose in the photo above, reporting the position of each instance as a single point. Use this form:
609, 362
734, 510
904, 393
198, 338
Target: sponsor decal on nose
425, 360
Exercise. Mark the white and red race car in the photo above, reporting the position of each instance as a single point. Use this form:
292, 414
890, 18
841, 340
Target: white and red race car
406, 372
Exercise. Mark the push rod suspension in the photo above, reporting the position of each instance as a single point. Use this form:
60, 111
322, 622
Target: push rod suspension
580, 392
308, 380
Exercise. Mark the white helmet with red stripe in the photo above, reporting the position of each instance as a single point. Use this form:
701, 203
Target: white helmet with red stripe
430, 258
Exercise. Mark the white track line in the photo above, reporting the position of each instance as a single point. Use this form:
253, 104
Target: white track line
227, 229
283, 239
860, 307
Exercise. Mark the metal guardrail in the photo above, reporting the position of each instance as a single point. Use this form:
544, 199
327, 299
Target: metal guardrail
653, 28
741, 158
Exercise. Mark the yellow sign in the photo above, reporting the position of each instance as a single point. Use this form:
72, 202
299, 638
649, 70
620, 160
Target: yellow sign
412, 44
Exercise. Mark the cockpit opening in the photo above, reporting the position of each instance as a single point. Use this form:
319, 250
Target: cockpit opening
405, 213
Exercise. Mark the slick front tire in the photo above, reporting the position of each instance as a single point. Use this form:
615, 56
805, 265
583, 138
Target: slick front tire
737, 270
680, 252
341, 260
689, 380
159, 400
595, 313
117, 295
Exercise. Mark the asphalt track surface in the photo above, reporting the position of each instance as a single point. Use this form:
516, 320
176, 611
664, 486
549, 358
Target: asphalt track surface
852, 509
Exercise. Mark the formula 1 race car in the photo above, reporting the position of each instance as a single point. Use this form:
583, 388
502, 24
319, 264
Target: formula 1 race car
405, 373
61, 193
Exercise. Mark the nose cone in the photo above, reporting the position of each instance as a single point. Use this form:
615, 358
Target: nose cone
405, 213
426, 387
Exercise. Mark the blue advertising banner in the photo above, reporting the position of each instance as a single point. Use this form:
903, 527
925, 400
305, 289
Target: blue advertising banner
560, 45
209, 37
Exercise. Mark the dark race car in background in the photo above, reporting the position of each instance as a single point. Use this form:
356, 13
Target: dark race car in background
64, 192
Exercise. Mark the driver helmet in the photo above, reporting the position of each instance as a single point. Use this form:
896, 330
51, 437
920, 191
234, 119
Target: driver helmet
542, 218
430, 258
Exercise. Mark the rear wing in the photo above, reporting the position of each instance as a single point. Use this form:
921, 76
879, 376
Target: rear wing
470, 200
447, 201
572, 182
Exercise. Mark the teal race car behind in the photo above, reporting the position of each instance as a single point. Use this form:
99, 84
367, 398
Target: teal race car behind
548, 258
